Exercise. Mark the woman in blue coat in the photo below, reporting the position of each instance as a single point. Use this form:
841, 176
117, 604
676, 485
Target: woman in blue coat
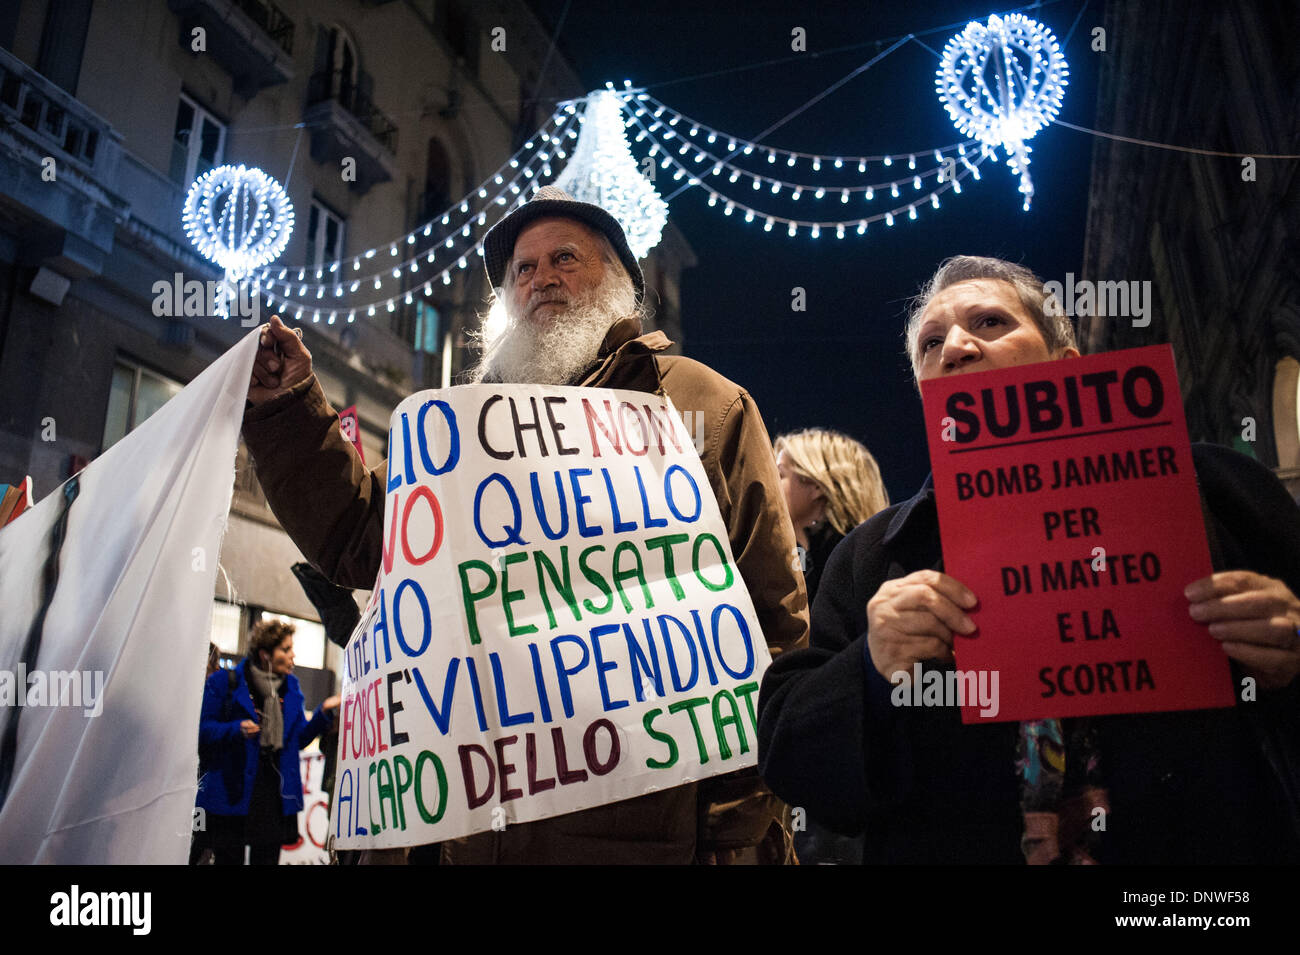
251, 730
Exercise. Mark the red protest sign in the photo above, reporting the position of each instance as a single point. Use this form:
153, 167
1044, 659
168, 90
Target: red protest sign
1068, 504
351, 429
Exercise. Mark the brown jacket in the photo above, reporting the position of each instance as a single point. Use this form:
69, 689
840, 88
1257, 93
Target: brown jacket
332, 507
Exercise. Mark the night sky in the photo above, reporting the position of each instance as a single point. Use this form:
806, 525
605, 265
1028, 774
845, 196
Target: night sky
840, 363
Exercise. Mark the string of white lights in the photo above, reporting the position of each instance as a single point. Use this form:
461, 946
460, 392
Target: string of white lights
332, 311
397, 271
815, 161
560, 118
814, 228
797, 189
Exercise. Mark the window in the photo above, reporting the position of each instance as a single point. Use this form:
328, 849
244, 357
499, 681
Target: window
225, 626
63, 42
341, 66
198, 143
426, 328
452, 20
437, 181
135, 394
324, 236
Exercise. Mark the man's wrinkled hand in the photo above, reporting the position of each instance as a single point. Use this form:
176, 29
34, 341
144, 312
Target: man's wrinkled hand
1256, 618
282, 361
914, 618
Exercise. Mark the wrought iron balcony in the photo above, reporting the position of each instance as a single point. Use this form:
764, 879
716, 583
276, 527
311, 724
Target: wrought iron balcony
58, 172
345, 123
251, 39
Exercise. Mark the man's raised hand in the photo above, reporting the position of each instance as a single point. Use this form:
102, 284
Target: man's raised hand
274, 374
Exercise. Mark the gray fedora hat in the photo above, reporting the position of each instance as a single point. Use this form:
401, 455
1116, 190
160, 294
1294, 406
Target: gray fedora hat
499, 243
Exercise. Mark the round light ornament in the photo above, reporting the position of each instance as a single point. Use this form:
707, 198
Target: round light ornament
238, 217
1002, 82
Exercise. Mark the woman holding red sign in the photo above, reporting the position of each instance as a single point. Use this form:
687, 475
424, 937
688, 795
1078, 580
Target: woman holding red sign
1194, 786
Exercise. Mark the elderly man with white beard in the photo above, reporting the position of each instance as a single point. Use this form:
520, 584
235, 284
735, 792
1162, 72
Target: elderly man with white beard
573, 297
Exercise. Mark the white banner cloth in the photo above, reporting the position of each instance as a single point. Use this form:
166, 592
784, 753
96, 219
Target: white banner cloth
109, 776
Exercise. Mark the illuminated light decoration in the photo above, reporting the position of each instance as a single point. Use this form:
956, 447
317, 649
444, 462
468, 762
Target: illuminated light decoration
1001, 84
238, 217
793, 225
559, 119
738, 144
604, 172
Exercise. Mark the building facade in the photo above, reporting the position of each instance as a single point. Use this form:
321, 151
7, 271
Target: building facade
1216, 236
376, 116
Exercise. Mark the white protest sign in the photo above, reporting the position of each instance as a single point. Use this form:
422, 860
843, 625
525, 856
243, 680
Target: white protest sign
558, 621
314, 820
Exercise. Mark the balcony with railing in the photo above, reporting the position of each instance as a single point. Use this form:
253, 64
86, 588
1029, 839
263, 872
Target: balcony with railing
58, 172
251, 39
345, 123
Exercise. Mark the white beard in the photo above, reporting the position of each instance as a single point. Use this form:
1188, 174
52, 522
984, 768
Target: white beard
569, 344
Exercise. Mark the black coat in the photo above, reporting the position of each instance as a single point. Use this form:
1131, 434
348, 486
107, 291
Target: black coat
1199, 786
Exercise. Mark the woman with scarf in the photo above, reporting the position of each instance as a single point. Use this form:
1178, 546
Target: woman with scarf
251, 730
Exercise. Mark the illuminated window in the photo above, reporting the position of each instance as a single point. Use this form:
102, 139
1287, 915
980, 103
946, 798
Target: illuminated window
225, 626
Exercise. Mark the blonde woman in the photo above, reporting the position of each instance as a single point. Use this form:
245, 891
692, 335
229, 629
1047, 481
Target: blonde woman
832, 484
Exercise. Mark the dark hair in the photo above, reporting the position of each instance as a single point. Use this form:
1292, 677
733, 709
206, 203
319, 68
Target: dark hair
267, 635
1052, 323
